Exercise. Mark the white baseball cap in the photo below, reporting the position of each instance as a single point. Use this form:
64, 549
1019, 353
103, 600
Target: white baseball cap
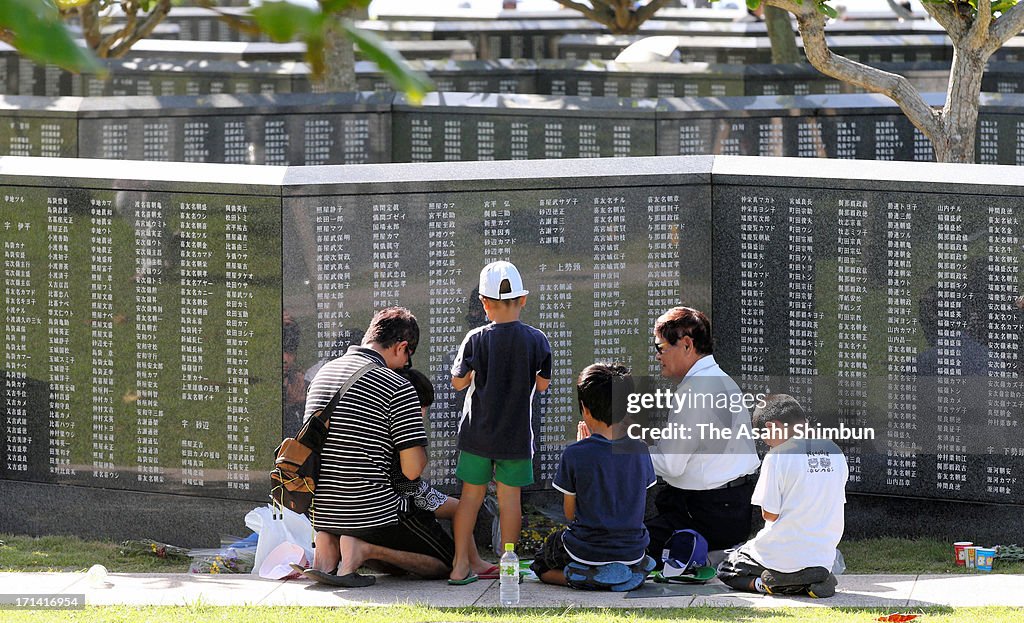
494, 273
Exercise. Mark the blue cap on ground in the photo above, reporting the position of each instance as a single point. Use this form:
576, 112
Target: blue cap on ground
685, 552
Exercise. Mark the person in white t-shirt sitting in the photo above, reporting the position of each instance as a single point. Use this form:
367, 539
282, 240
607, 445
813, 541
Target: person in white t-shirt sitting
802, 493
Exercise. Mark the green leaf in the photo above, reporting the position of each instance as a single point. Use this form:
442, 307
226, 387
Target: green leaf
753, 4
1001, 6
827, 10
283, 21
39, 34
338, 6
414, 84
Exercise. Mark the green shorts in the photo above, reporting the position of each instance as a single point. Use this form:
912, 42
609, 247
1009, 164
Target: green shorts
477, 470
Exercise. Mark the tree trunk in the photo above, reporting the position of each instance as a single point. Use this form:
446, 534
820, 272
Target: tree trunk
339, 61
959, 121
780, 32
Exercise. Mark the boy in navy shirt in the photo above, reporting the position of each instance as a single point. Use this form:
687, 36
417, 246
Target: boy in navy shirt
503, 364
605, 477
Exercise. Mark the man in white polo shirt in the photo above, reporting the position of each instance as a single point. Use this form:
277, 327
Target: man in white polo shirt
710, 481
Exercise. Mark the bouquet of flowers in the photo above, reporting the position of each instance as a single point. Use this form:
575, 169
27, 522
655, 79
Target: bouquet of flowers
222, 560
149, 546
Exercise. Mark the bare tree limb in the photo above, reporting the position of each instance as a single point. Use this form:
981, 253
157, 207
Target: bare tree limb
131, 12
645, 12
793, 6
1005, 27
948, 17
900, 11
89, 15
605, 10
156, 15
893, 86
622, 15
978, 34
235, 21
587, 11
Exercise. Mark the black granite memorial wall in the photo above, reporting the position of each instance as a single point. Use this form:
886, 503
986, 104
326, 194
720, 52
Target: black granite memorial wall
197, 76
871, 49
142, 318
884, 302
459, 126
141, 345
142, 329
308, 129
540, 38
341, 128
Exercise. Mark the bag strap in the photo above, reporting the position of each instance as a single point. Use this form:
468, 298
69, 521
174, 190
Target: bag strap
327, 411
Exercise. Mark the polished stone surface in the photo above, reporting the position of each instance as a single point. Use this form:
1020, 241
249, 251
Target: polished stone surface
872, 290
357, 128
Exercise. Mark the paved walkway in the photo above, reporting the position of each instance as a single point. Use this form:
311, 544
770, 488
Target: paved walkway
892, 592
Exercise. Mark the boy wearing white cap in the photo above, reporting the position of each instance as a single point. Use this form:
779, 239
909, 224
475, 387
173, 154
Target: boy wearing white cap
503, 364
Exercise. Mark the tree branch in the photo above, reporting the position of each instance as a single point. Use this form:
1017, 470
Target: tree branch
895, 87
622, 16
605, 10
241, 23
587, 11
645, 12
948, 17
900, 12
978, 32
89, 14
793, 6
156, 15
131, 12
1005, 27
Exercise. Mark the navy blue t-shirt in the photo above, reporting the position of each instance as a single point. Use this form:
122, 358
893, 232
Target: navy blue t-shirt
610, 481
497, 417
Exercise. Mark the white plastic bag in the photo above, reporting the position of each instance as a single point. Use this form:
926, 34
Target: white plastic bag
293, 528
277, 564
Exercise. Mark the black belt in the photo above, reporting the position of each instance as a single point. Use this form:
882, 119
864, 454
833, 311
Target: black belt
739, 482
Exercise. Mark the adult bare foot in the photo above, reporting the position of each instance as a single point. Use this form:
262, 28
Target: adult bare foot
353, 554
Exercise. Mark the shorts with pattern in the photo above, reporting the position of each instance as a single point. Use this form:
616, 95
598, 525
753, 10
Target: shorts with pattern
422, 495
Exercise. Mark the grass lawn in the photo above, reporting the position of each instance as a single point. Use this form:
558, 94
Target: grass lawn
417, 614
67, 553
895, 556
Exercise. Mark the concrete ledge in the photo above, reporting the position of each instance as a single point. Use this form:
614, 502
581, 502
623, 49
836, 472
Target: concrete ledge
93, 513
880, 591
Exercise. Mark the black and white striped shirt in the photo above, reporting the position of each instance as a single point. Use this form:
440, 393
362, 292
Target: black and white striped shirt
378, 417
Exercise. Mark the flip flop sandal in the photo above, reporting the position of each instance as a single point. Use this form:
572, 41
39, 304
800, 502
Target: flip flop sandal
600, 576
351, 580
469, 579
490, 574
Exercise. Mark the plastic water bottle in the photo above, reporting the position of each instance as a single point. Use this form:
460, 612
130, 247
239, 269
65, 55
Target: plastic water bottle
508, 585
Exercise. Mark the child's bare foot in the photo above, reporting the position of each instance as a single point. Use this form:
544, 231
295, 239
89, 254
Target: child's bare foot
460, 571
479, 565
